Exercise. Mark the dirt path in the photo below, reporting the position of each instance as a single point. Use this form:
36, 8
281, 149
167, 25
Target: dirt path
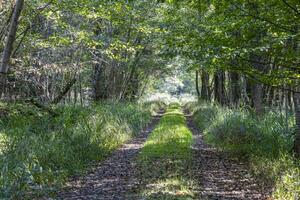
113, 177
219, 176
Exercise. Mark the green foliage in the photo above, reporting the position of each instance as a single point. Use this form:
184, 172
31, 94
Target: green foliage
266, 141
39, 152
165, 157
226, 34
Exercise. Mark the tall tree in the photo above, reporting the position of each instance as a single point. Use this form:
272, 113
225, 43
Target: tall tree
9, 43
11, 36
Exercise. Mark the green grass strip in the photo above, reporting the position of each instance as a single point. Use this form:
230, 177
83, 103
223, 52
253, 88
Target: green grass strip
165, 158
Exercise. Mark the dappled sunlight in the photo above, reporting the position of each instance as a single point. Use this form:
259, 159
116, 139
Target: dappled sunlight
81, 80
172, 188
3, 142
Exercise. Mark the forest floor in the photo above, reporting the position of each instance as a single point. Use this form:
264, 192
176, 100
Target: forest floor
207, 174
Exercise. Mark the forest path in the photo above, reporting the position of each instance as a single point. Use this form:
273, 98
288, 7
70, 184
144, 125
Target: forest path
218, 176
221, 177
112, 178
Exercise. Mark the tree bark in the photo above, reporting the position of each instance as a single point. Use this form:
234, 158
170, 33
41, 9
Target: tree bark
256, 87
219, 88
235, 89
222, 90
204, 85
257, 100
99, 83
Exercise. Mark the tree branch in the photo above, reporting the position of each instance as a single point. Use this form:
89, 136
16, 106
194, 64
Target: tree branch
42, 107
60, 96
264, 20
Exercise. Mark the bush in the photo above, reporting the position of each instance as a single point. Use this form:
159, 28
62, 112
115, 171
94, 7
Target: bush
38, 152
266, 141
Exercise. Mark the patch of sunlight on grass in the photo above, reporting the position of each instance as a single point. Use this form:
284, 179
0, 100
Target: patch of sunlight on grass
172, 188
165, 158
3, 142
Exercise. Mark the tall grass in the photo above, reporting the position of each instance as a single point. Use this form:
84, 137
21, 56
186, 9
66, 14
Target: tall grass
266, 141
154, 106
38, 152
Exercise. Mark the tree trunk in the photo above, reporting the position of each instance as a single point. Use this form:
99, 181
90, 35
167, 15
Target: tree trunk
100, 88
256, 87
269, 98
235, 88
204, 85
216, 86
197, 84
219, 88
296, 98
257, 58
222, 90
81, 95
11, 36
218, 96
65, 90
256, 94
9, 43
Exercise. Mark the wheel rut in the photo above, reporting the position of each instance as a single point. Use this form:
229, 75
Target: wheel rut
112, 178
221, 177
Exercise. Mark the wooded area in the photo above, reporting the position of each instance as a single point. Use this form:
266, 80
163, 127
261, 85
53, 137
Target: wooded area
60, 59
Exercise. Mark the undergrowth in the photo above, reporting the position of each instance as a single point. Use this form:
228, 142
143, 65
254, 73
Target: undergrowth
266, 141
165, 157
39, 152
